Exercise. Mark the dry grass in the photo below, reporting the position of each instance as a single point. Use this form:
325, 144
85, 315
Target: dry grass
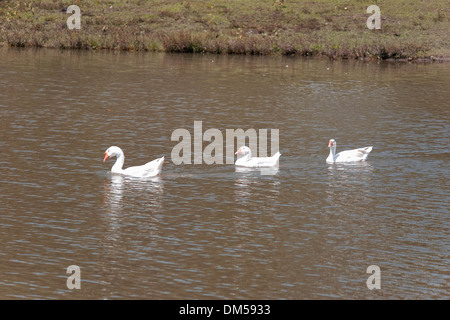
335, 29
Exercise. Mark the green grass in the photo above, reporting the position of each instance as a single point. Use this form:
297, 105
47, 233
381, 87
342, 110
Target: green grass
337, 29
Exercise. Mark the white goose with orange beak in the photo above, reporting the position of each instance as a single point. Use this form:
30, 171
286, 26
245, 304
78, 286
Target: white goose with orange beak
257, 162
150, 169
354, 155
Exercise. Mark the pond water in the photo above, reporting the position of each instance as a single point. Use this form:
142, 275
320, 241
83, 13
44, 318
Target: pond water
308, 230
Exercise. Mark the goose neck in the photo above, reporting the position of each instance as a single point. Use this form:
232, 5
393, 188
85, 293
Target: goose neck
332, 151
118, 165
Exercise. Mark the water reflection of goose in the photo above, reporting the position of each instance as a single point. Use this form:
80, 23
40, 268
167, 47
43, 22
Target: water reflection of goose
262, 171
350, 172
150, 169
243, 189
113, 199
121, 189
131, 220
116, 191
249, 180
121, 185
349, 183
256, 201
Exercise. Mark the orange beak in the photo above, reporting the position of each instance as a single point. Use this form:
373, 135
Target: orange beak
239, 151
330, 144
106, 157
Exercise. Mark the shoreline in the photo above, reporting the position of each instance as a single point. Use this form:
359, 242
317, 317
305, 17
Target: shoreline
270, 28
423, 60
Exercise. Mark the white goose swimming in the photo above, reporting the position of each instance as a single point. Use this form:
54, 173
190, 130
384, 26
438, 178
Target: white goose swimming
149, 169
354, 155
257, 162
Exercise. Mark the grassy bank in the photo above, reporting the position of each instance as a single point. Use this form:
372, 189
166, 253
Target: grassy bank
336, 29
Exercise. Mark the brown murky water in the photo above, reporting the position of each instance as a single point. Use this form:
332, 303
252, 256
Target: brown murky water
309, 231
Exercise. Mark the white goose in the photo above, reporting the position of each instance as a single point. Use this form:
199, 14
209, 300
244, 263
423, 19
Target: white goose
149, 169
257, 162
354, 155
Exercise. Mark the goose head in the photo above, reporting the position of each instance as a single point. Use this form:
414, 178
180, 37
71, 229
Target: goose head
244, 150
111, 152
332, 144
